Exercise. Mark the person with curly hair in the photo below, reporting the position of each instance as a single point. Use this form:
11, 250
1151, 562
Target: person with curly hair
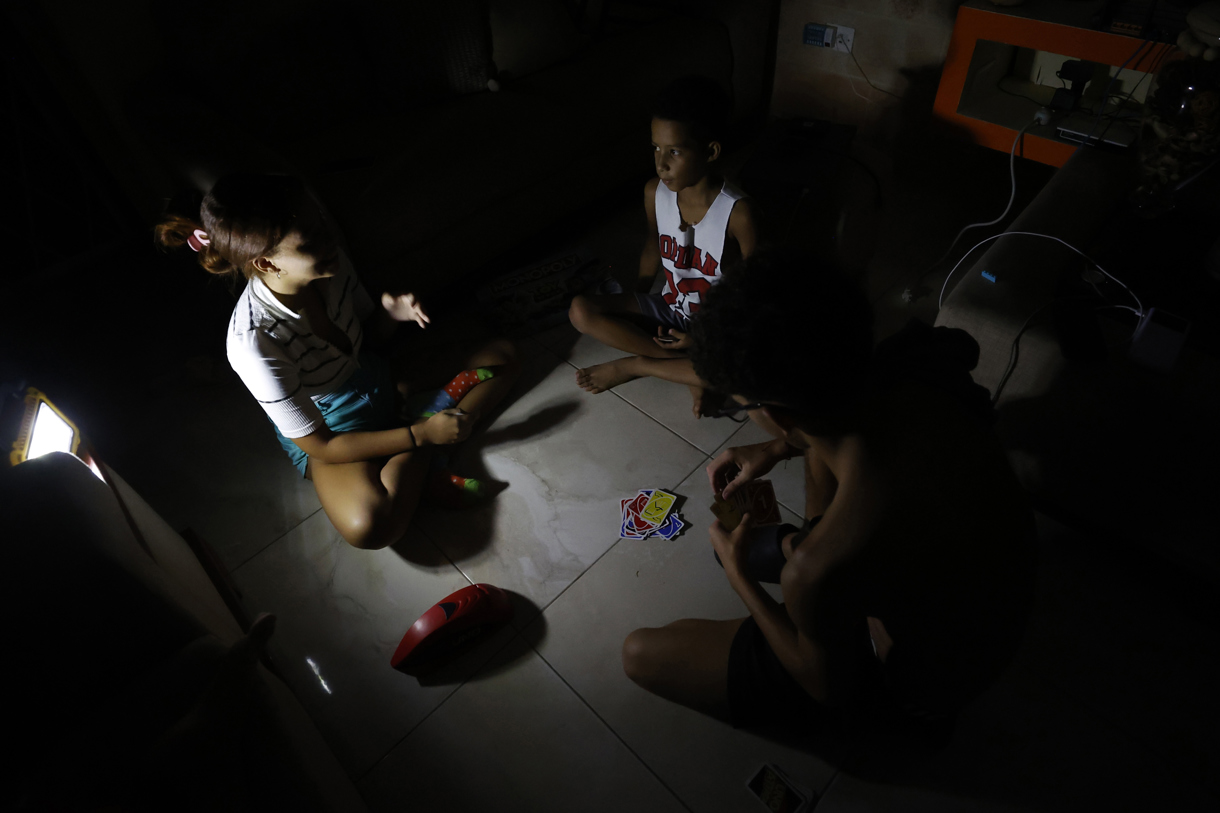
906, 591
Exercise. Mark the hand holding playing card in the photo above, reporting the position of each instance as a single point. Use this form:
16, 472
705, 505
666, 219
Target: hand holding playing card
735, 467
733, 547
756, 498
404, 308
672, 339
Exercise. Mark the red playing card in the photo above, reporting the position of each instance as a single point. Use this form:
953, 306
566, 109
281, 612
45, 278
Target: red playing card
758, 499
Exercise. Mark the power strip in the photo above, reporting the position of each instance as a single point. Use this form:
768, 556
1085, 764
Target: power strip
829, 36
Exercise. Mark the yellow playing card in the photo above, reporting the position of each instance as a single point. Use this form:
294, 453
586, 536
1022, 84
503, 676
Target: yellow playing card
657, 507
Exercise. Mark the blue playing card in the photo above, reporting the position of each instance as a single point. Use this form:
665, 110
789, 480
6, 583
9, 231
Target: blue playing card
671, 527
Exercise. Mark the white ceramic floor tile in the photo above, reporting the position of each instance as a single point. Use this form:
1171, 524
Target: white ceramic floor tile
566, 458
514, 738
669, 404
343, 611
788, 477
208, 459
650, 583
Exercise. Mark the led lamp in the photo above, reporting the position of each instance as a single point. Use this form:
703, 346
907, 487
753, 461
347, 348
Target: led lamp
43, 429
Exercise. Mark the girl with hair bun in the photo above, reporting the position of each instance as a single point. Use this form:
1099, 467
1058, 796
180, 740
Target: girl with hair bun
356, 424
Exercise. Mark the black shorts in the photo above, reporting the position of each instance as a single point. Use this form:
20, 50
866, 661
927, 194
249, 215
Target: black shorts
762, 693
655, 308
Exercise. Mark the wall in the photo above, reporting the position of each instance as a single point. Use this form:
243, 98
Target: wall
900, 44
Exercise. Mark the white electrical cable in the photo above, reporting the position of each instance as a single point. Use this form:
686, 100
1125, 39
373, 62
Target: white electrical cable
941, 301
1012, 196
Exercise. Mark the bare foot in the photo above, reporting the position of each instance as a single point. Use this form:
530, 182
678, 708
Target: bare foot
602, 377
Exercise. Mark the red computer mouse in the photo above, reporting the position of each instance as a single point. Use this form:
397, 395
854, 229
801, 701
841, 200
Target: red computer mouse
450, 623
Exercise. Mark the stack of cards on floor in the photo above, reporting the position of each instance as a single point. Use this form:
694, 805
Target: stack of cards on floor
650, 513
756, 498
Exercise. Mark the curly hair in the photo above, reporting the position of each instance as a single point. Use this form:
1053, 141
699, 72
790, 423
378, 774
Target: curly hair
783, 328
245, 216
699, 103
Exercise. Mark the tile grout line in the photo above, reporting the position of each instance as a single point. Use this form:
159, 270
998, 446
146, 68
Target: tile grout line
264, 548
603, 554
520, 633
638, 409
610, 728
356, 780
441, 551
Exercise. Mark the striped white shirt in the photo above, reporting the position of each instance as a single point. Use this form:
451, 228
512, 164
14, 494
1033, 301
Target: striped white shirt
282, 362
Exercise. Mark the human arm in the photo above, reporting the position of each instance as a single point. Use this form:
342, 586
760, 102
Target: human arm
811, 633
738, 465
445, 427
743, 226
650, 257
265, 367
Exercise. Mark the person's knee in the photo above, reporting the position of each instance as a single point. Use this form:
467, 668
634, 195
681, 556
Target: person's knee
370, 528
638, 659
580, 311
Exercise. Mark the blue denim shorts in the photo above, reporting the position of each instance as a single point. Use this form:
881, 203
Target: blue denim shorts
366, 402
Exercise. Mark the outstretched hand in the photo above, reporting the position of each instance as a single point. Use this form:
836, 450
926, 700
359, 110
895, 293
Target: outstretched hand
405, 308
672, 339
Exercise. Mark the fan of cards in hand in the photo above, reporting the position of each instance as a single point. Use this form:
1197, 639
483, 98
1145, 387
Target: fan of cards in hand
756, 498
650, 513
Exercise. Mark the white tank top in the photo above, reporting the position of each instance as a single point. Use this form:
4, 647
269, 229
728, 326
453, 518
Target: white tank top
691, 258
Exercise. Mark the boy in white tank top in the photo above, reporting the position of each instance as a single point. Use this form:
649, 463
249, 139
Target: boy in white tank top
695, 218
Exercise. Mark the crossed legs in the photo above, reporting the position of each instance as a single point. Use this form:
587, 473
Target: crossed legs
614, 321
371, 502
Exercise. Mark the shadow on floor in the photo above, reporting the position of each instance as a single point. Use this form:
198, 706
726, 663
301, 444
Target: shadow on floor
467, 461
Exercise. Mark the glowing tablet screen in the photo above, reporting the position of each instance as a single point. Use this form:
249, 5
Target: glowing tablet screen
50, 433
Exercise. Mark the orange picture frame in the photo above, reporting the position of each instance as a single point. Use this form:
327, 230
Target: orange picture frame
975, 24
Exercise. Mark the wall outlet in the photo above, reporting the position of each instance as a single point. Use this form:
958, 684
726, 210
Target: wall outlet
822, 36
844, 37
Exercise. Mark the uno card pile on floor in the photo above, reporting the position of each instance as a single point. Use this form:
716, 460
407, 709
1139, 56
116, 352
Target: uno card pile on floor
756, 498
650, 513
